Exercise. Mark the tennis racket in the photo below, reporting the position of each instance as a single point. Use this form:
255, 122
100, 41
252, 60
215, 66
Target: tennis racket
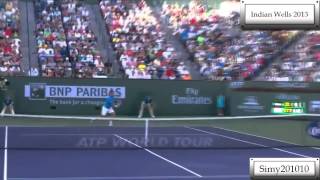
117, 104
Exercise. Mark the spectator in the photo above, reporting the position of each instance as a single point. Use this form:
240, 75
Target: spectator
218, 45
141, 47
10, 54
66, 44
51, 39
299, 63
82, 42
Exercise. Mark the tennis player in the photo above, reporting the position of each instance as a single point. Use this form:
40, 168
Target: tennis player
107, 108
146, 103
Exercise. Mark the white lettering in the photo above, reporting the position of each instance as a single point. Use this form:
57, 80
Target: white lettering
191, 100
93, 92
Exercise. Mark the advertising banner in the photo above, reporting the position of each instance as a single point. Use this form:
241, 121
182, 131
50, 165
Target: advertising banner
86, 96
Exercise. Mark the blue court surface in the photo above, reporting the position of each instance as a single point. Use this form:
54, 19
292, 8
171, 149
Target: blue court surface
25, 163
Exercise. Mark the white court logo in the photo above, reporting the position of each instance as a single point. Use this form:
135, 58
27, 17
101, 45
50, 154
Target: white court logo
315, 131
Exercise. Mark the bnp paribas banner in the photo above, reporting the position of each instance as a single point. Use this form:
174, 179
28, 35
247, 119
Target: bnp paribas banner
71, 95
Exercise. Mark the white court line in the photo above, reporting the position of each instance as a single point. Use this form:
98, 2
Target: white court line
161, 157
262, 137
248, 142
87, 118
138, 178
5, 158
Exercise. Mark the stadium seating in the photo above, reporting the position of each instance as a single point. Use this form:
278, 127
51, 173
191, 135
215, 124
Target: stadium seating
299, 63
81, 40
66, 45
10, 53
218, 45
51, 41
141, 47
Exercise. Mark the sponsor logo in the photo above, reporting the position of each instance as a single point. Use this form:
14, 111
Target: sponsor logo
287, 97
191, 97
314, 106
251, 101
314, 129
237, 84
39, 91
251, 104
71, 95
291, 85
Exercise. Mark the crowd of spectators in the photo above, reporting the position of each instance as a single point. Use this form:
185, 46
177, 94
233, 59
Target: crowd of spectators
10, 54
82, 42
222, 50
51, 41
141, 47
66, 45
299, 63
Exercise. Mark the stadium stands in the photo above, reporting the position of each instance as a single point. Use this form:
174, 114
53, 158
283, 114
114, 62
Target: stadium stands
141, 47
10, 54
51, 41
299, 63
81, 40
67, 46
218, 45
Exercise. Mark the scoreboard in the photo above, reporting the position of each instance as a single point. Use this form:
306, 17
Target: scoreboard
288, 107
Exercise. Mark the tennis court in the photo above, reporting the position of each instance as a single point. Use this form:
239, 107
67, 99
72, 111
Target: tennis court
186, 148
